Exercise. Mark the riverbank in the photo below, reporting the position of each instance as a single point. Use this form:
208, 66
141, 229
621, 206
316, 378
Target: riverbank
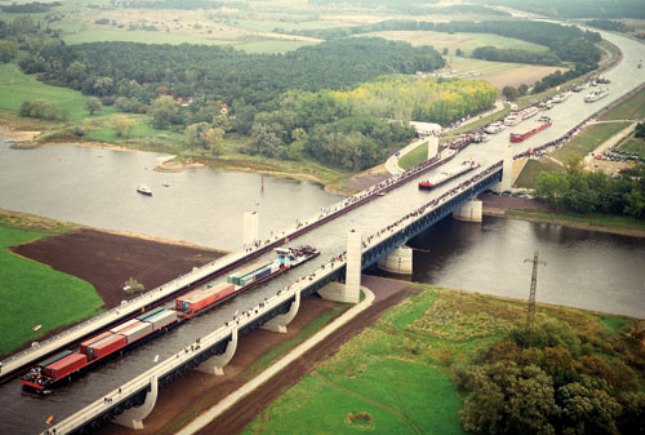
534, 211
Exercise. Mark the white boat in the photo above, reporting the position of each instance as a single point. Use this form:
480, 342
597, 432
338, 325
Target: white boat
512, 119
144, 190
560, 98
596, 95
494, 127
528, 112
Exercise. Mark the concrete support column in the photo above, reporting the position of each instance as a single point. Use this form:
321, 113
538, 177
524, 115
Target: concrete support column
279, 323
251, 228
433, 146
351, 291
133, 417
469, 212
215, 364
398, 261
507, 176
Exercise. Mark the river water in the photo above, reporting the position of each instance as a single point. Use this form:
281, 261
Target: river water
96, 187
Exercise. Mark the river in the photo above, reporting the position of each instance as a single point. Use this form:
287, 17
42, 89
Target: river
203, 206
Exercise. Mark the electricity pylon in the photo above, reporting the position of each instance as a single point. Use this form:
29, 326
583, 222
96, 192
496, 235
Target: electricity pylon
531, 314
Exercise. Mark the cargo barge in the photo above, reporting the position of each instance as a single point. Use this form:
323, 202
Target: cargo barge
432, 182
519, 137
64, 366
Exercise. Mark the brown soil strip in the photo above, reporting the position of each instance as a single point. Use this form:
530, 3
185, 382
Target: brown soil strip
107, 260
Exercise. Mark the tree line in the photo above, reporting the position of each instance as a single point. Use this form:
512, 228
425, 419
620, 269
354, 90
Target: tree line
356, 129
515, 55
552, 380
565, 43
594, 192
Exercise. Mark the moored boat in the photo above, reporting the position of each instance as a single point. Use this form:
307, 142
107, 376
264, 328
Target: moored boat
512, 119
528, 112
596, 95
494, 127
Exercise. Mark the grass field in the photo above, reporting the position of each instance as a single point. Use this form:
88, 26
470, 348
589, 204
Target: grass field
16, 88
414, 157
588, 140
467, 42
533, 168
634, 145
633, 108
394, 377
32, 293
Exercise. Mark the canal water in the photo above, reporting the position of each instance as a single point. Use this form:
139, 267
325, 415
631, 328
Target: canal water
96, 187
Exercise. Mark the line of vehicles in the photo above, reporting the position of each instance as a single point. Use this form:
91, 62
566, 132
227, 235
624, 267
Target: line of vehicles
64, 366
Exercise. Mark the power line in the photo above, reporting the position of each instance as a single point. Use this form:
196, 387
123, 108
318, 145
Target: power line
530, 319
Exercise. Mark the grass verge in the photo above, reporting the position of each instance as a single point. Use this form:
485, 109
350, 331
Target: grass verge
632, 108
590, 138
32, 293
528, 177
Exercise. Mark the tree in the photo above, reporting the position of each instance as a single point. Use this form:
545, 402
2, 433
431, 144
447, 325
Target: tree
122, 125
510, 93
8, 50
164, 111
458, 52
205, 136
508, 398
133, 287
523, 89
588, 408
93, 104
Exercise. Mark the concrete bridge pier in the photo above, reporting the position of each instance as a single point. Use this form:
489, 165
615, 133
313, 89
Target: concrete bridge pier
279, 323
250, 230
469, 212
507, 176
215, 364
351, 291
132, 418
398, 261
433, 146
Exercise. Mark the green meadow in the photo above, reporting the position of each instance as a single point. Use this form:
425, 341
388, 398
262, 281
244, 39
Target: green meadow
395, 376
32, 293
16, 88
466, 42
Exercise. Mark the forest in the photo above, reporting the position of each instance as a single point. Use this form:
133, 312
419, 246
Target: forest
356, 129
515, 56
548, 379
325, 102
594, 192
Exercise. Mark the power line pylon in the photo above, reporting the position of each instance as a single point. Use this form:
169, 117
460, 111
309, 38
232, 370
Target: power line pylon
531, 314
